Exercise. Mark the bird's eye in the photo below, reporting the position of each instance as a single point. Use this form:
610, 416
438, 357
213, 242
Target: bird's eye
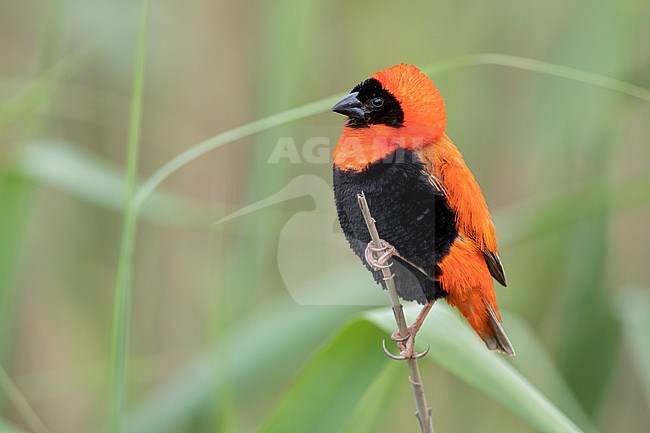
377, 102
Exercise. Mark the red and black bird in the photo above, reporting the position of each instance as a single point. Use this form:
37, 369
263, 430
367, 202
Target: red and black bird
425, 200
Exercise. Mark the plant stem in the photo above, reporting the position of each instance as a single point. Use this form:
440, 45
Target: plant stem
422, 411
20, 402
121, 326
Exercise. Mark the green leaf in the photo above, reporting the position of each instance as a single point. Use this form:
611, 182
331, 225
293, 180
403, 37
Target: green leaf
634, 313
333, 382
379, 396
41, 89
15, 194
20, 403
252, 355
88, 177
7, 427
329, 388
534, 362
455, 347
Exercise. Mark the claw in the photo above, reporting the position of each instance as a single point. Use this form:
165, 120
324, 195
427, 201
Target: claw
397, 337
391, 355
401, 339
423, 354
403, 357
378, 258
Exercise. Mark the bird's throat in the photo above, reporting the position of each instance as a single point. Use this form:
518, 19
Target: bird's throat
358, 148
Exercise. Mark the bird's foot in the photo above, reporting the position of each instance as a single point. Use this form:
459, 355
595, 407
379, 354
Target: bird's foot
406, 346
378, 258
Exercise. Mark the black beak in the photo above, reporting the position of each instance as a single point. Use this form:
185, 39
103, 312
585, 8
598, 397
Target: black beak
350, 106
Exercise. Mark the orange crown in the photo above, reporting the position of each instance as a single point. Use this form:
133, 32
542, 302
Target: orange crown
419, 98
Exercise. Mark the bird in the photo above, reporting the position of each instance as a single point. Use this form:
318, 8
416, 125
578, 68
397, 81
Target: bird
426, 203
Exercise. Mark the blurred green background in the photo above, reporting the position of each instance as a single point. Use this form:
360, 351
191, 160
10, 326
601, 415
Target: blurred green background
218, 342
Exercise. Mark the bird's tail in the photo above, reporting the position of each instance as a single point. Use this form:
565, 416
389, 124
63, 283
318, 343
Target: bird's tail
498, 341
467, 280
485, 321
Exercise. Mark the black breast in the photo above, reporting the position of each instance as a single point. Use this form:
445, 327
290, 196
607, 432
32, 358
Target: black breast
410, 213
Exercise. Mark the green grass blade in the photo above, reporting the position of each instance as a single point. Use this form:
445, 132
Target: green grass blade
42, 88
634, 313
534, 362
6, 427
325, 104
21, 404
15, 194
339, 376
123, 283
257, 354
545, 213
455, 347
88, 177
224, 138
378, 398
538, 66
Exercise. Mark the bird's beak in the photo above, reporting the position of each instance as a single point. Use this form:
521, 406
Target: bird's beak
350, 106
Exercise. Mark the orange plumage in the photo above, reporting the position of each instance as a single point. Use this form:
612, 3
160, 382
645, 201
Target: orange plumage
400, 109
465, 272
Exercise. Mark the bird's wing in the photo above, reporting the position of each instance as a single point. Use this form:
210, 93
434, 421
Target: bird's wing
434, 181
495, 266
492, 259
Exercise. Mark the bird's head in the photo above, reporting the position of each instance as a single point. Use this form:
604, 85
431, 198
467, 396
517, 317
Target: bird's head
398, 107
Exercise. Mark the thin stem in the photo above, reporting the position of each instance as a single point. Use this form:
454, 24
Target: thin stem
21, 404
540, 67
422, 411
121, 328
252, 128
323, 105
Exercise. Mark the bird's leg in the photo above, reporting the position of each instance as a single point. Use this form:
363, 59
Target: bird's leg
415, 327
378, 258
406, 344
